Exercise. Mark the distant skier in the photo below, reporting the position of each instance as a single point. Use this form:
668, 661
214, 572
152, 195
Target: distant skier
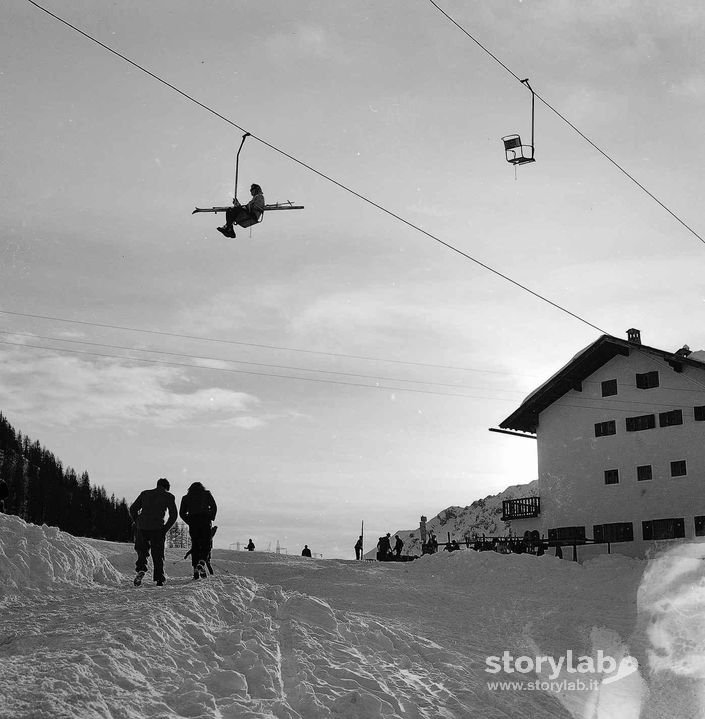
147, 512
358, 548
432, 543
198, 510
398, 546
250, 546
305, 552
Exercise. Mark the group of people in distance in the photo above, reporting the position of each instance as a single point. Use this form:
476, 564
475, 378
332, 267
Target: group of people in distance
384, 548
197, 510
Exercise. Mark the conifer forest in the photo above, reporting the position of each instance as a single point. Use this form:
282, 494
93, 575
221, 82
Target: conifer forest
42, 491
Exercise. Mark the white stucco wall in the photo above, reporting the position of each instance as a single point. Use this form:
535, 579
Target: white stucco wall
572, 461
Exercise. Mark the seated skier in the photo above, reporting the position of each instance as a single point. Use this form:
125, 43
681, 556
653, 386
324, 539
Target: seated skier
244, 215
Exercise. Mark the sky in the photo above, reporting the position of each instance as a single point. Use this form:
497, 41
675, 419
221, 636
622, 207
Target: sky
334, 365
280, 636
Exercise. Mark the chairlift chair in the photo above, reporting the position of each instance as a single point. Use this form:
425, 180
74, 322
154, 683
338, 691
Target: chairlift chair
516, 152
248, 222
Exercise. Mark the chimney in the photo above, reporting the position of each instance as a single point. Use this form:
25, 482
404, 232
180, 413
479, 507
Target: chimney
634, 335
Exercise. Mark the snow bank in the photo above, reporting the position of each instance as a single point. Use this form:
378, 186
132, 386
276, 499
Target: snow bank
279, 637
224, 648
33, 556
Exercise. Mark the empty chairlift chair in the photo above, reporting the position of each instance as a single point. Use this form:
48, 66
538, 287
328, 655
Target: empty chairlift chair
515, 152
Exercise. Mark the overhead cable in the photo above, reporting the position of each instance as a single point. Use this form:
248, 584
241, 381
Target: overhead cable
337, 355
202, 358
570, 124
166, 363
410, 224
607, 407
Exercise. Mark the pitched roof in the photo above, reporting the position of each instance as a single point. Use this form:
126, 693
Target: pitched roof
581, 366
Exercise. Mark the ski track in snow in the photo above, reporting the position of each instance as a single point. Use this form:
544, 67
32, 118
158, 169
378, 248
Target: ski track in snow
78, 641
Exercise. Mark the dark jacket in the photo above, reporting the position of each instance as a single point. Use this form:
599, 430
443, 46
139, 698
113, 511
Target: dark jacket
197, 506
147, 511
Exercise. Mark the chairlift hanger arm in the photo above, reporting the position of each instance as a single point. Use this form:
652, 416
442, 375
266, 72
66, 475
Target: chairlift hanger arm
533, 102
237, 161
517, 153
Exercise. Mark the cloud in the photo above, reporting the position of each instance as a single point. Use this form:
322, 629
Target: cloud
304, 41
690, 88
67, 389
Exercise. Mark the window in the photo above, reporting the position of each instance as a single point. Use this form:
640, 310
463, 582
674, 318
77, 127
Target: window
663, 528
615, 532
567, 534
678, 468
700, 526
647, 380
644, 473
668, 419
637, 424
609, 387
603, 429
699, 414
611, 476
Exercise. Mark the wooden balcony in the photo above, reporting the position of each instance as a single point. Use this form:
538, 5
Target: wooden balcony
521, 508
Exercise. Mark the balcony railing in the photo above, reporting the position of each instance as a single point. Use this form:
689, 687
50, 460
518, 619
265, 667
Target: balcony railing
521, 508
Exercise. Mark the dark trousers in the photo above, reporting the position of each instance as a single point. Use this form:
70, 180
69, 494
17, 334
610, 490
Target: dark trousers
358, 553
150, 541
239, 216
201, 539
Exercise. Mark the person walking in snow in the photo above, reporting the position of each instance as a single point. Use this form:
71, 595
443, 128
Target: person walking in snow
358, 548
210, 549
398, 546
147, 512
198, 510
305, 552
250, 546
384, 548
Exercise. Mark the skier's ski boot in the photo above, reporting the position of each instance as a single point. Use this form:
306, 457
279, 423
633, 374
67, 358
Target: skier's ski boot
201, 567
138, 578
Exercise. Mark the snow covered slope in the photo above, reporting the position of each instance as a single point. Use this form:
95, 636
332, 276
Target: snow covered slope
282, 637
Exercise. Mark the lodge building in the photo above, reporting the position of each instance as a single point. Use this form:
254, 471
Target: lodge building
620, 435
